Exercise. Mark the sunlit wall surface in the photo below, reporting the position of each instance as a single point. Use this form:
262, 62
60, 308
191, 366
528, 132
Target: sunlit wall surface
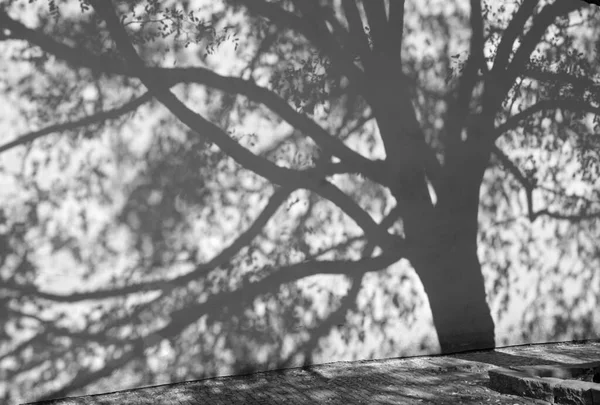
256, 185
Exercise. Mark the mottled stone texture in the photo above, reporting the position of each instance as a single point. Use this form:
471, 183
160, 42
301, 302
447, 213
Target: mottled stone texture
569, 384
517, 383
573, 392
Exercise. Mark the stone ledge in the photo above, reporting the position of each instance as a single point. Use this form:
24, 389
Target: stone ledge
565, 384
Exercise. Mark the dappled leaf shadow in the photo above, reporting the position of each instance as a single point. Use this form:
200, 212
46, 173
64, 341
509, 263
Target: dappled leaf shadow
135, 251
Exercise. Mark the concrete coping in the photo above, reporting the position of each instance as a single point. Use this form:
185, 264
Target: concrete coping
557, 384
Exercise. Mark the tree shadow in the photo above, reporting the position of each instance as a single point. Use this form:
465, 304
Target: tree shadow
217, 294
242, 315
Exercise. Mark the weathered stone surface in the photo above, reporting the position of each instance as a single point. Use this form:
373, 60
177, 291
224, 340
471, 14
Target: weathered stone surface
555, 384
583, 371
517, 382
574, 392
